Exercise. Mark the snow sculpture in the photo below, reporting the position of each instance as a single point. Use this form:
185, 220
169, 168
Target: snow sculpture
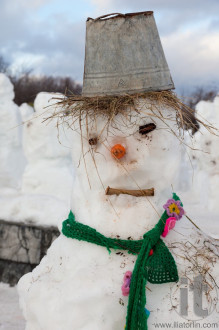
26, 111
48, 169
200, 168
207, 162
45, 177
130, 148
11, 157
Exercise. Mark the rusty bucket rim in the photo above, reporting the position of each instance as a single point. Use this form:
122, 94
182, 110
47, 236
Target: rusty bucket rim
118, 15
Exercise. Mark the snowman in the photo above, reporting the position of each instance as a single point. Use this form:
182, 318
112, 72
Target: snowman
48, 170
110, 267
200, 164
207, 160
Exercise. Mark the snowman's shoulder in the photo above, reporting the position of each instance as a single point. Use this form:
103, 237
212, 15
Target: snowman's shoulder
74, 256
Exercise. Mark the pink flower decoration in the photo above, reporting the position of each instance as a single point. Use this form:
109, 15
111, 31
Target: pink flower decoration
174, 208
126, 283
170, 224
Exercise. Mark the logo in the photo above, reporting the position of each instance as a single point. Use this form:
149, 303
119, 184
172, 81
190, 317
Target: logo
194, 299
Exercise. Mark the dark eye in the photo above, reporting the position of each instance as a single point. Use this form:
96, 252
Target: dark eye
145, 129
93, 141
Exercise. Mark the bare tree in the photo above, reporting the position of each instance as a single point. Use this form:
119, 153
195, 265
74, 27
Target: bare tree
28, 86
194, 97
201, 94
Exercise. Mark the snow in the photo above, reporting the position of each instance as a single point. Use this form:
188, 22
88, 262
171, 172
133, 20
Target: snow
47, 150
26, 111
201, 171
35, 209
36, 171
12, 159
206, 162
77, 284
6, 90
11, 315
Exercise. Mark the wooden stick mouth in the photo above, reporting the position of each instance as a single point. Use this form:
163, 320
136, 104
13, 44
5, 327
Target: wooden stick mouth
136, 193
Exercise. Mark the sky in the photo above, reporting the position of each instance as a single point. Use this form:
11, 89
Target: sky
48, 36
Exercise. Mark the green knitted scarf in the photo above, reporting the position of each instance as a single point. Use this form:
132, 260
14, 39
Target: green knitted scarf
158, 268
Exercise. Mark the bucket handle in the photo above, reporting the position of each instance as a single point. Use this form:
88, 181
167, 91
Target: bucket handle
104, 16
107, 16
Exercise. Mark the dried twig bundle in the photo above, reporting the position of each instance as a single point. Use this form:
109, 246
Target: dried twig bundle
199, 258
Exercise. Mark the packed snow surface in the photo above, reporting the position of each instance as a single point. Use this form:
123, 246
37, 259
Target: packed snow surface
12, 160
36, 172
11, 317
206, 160
199, 173
47, 150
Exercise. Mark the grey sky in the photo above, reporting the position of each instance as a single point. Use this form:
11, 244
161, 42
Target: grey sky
49, 35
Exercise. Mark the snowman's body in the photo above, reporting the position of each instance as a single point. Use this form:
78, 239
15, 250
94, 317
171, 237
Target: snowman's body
78, 284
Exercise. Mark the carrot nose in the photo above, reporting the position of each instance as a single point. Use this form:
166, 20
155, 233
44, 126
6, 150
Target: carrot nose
118, 151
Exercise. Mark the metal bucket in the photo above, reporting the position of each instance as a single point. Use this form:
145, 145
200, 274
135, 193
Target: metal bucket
123, 54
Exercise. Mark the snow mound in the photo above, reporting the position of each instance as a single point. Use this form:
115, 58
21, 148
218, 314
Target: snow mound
205, 161
36, 172
12, 160
48, 153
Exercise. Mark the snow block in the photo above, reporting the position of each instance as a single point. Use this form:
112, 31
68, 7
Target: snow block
22, 246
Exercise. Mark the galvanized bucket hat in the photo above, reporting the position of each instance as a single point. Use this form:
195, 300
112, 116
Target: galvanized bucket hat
124, 55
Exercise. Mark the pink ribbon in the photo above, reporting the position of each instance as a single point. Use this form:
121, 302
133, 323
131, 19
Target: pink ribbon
170, 224
126, 283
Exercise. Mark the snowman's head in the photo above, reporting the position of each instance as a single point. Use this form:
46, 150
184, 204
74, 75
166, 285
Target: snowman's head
151, 158
150, 150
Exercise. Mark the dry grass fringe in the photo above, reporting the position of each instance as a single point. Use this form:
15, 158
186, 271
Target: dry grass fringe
74, 108
199, 259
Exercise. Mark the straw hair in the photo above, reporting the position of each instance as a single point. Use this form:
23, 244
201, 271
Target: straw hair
71, 108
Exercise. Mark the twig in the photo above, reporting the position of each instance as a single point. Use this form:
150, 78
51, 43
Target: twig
136, 193
193, 222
